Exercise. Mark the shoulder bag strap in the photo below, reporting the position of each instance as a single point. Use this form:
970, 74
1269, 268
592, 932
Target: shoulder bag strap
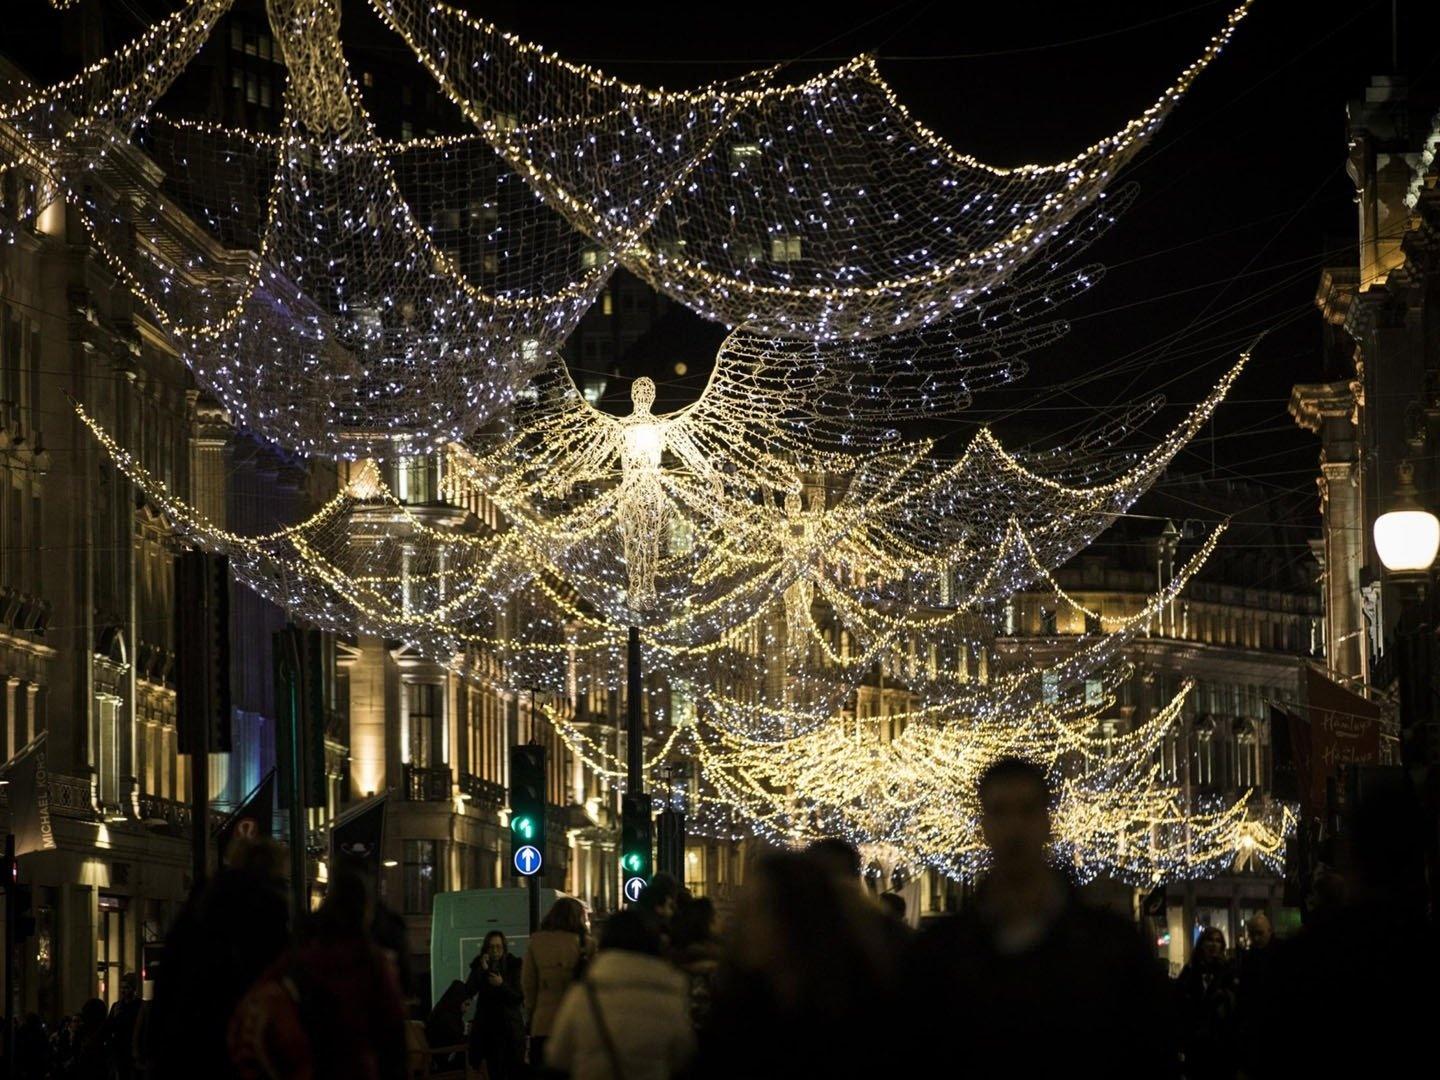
604, 1029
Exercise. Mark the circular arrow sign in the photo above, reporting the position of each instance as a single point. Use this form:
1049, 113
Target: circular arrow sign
633, 888
528, 860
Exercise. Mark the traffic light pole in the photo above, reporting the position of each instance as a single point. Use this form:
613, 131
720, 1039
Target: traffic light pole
10, 1027
634, 728
299, 888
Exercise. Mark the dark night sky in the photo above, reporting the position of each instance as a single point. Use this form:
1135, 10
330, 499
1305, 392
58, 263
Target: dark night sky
1243, 196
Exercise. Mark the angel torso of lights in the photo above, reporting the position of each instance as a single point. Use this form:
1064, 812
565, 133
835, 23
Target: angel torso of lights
641, 506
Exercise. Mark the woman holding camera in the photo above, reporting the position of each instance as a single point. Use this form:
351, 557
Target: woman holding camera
497, 1033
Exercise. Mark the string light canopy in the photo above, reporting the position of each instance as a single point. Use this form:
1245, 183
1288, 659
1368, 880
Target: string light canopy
818, 209
904, 778
346, 297
355, 298
341, 295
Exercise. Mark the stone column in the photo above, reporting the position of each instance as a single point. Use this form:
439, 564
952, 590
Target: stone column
1329, 410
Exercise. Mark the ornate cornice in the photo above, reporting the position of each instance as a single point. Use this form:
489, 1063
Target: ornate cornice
1311, 404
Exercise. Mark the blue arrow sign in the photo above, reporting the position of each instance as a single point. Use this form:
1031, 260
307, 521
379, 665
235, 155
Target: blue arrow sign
633, 888
528, 860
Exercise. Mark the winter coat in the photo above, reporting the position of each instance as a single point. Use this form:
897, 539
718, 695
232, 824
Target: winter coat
552, 960
699, 962
498, 1029
1040, 1009
644, 1004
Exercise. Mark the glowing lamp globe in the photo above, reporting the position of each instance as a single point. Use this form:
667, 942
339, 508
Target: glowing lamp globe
1408, 536
1407, 540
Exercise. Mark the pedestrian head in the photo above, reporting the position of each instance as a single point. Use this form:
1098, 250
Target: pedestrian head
494, 947
631, 931
809, 937
1260, 931
347, 910
693, 924
1014, 797
566, 914
129, 986
835, 856
1211, 947
893, 905
261, 857
92, 1014
661, 895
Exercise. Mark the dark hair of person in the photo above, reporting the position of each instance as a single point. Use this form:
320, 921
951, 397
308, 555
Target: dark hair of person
826, 940
565, 914
1213, 932
662, 887
631, 931
93, 1013
841, 854
894, 904
1014, 768
504, 945
693, 924
343, 912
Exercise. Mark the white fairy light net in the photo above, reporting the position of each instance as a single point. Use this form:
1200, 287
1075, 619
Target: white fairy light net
339, 294
818, 209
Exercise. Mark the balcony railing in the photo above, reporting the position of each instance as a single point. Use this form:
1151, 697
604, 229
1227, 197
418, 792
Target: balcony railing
481, 792
427, 784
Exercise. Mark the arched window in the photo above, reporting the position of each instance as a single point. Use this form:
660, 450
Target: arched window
1247, 755
1203, 771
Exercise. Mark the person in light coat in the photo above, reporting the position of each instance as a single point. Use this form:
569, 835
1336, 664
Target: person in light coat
629, 1017
555, 957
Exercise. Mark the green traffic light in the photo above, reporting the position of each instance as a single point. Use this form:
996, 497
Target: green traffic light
634, 862
523, 826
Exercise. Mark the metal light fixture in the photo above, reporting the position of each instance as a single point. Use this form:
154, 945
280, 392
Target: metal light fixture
1407, 536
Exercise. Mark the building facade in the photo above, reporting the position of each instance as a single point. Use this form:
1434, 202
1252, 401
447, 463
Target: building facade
1240, 632
87, 639
1378, 408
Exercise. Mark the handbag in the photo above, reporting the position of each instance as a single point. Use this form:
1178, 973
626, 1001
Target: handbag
610, 1051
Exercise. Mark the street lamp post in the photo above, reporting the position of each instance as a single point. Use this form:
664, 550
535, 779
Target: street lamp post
1407, 538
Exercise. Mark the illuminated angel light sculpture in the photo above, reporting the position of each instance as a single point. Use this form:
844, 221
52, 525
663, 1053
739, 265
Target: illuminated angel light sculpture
642, 502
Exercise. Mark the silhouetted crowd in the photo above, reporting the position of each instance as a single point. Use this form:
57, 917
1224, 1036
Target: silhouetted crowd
813, 975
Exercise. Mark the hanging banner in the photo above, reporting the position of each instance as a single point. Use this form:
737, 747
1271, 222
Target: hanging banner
30, 798
356, 841
1344, 731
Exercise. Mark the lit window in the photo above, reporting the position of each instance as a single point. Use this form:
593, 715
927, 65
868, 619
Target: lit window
607, 303
427, 725
742, 154
1247, 756
420, 876
367, 79
785, 248
1204, 752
